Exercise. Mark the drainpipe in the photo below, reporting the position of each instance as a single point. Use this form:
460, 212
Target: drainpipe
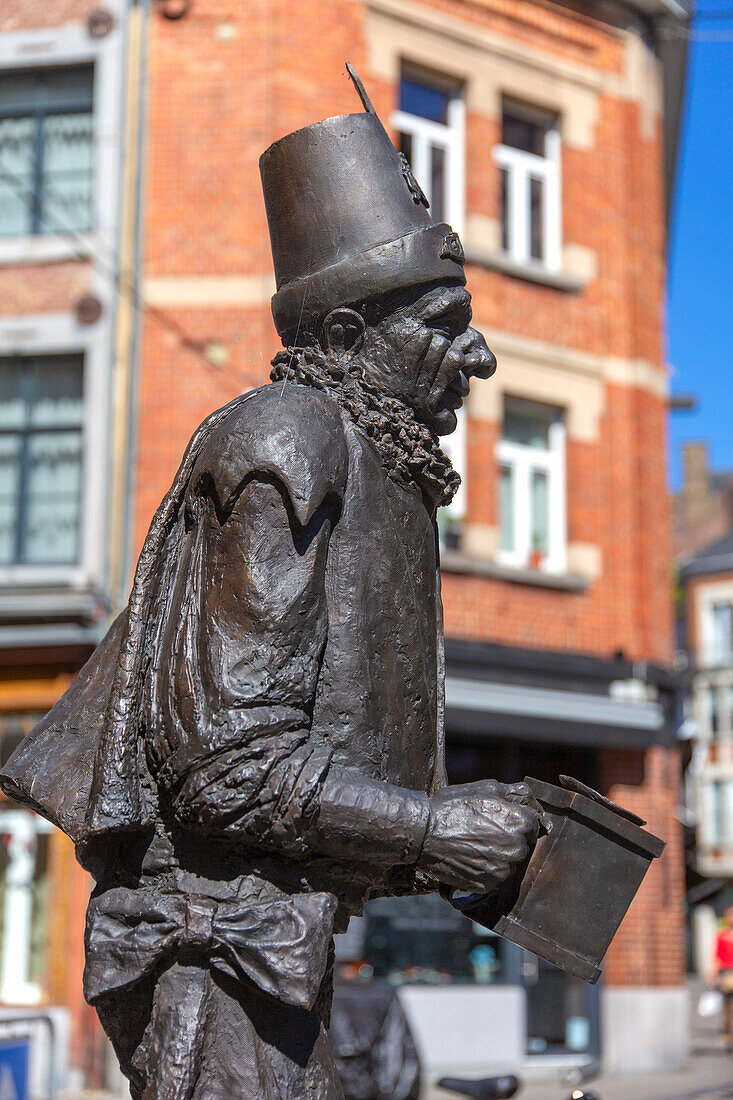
128, 316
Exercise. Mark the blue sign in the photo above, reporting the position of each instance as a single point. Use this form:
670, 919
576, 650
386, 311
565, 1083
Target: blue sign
14, 1069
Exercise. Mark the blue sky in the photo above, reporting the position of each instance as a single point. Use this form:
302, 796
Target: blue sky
700, 303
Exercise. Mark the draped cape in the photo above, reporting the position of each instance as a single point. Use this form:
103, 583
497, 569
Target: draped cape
83, 766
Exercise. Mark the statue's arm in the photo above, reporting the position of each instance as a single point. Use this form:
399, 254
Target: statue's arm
256, 767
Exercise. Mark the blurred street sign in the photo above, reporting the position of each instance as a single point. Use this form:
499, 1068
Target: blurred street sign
14, 1069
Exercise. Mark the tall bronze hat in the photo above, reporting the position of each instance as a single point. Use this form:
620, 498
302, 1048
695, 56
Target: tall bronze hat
348, 220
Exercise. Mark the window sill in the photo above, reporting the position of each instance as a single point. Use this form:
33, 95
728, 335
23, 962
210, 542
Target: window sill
453, 561
31, 603
45, 249
531, 273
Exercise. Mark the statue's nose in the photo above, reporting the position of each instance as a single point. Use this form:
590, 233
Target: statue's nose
485, 366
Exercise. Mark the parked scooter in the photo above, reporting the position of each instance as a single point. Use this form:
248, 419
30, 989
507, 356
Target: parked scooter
489, 1088
500, 1088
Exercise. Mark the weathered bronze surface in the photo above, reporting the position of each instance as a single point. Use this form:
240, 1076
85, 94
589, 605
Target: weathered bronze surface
256, 747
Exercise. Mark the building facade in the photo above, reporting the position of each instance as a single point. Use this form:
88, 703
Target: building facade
62, 82
139, 299
707, 586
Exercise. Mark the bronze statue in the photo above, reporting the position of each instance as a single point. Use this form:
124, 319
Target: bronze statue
256, 747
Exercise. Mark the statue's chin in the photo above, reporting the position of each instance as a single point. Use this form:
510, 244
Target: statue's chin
445, 421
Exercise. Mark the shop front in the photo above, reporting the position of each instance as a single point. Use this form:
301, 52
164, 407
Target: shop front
477, 1003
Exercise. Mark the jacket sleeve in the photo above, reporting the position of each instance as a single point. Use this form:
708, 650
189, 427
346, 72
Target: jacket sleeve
234, 748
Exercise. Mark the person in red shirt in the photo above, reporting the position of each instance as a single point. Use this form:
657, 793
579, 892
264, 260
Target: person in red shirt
722, 969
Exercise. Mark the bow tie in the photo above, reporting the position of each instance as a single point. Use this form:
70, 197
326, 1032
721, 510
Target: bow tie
282, 946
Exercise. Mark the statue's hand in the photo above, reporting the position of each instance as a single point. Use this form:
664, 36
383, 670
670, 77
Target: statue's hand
478, 833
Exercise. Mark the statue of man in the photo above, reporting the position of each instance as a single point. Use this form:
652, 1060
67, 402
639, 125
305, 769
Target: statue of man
257, 745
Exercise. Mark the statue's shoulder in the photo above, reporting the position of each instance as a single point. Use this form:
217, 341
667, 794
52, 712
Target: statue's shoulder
287, 431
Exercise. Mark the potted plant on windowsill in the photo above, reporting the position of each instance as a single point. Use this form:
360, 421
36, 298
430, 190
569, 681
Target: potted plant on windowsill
536, 555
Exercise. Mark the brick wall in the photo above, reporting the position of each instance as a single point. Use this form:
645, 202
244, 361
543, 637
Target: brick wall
649, 948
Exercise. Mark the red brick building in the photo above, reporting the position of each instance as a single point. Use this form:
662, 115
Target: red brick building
545, 133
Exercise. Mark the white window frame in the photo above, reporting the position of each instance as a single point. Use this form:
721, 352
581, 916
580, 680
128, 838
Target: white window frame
22, 827
455, 446
524, 460
520, 168
59, 47
450, 137
708, 596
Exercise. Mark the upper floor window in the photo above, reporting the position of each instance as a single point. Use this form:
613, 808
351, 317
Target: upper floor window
430, 127
529, 165
531, 455
721, 632
46, 151
41, 410
716, 819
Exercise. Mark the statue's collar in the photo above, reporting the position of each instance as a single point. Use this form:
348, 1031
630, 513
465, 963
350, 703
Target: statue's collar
409, 452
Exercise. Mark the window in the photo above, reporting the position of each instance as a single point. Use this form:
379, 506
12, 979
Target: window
41, 406
714, 710
531, 456
721, 632
430, 126
423, 939
451, 518
716, 824
23, 904
529, 166
46, 151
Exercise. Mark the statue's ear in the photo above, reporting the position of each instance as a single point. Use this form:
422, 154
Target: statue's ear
342, 332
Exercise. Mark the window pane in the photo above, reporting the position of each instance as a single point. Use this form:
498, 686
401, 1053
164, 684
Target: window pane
41, 410
424, 100
13, 409
437, 182
52, 498
39, 902
46, 150
506, 507
717, 828
9, 489
540, 512
714, 709
406, 147
32, 90
17, 137
722, 632
536, 218
727, 812
530, 428
519, 133
66, 181
423, 939
505, 213
55, 391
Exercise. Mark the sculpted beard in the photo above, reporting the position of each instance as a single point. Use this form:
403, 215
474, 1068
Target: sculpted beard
408, 448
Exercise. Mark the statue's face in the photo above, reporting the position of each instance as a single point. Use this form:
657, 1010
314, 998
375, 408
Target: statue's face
425, 352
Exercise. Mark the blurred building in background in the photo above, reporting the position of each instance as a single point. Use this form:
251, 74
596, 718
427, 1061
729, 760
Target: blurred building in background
135, 278
62, 90
703, 511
